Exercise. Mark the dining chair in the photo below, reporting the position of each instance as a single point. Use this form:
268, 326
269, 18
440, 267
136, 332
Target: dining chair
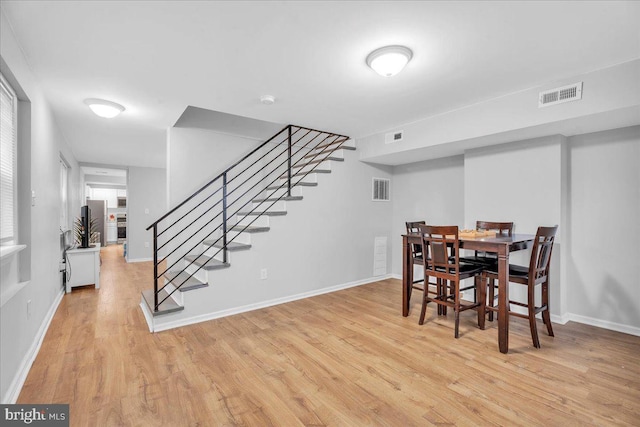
417, 257
536, 274
443, 264
489, 259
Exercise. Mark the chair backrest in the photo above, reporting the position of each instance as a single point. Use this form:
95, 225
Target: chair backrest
541, 254
441, 242
413, 227
501, 228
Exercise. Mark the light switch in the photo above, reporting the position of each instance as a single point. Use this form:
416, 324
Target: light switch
33, 197
146, 211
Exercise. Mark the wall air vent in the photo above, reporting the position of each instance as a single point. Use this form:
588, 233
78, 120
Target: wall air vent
391, 137
380, 190
559, 95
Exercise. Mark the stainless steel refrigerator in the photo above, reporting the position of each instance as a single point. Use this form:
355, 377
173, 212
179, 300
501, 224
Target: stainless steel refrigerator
99, 213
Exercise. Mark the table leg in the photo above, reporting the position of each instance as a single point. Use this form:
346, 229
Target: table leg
407, 275
503, 299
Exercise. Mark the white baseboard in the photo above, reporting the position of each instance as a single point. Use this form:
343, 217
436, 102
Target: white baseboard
21, 375
262, 304
139, 259
395, 276
560, 319
605, 324
147, 314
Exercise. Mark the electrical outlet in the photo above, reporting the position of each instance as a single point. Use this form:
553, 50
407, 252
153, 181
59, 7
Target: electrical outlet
263, 274
28, 309
146, 244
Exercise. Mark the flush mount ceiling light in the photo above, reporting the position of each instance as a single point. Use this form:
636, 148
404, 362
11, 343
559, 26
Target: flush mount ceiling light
389, 60
267, 99
103, 108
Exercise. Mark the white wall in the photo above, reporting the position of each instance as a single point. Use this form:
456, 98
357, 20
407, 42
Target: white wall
146, 202
431, 191
195, 156
325, 240
20, 331
519, 182
604, 285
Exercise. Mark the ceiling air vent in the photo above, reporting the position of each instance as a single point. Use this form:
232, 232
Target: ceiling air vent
391, 137
380, 190
559, 95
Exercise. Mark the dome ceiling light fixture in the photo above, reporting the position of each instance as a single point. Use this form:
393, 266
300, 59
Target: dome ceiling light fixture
103, 108
389, 60
267, 99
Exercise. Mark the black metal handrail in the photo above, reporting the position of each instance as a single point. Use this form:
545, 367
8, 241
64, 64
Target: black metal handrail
259, 175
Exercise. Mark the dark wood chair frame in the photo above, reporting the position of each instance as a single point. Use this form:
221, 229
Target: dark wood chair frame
443, 265
537, 274
489, 259
417, 256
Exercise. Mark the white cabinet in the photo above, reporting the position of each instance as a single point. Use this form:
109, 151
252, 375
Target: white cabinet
108, 194
84, 267
112, 232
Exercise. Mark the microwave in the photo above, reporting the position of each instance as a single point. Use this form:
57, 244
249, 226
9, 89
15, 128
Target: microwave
122, 202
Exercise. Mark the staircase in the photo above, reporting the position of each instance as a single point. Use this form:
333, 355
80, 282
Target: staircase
197, 237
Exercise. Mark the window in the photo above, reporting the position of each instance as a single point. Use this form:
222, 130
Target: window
8, 170
64, 206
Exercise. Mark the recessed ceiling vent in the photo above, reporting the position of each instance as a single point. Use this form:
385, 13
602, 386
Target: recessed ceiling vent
391, 137
559, 95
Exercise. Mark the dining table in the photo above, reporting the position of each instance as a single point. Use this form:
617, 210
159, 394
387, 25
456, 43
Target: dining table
502, 245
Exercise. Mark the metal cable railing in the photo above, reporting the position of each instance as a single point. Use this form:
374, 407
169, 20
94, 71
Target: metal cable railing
274, 168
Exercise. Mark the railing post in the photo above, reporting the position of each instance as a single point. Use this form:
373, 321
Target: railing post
289, 165
155, 267
224, 217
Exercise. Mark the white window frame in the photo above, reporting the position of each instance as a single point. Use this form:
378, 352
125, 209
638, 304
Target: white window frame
9, 237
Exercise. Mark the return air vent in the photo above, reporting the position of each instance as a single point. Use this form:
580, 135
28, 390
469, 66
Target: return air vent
380, 190
391, 137
559, 95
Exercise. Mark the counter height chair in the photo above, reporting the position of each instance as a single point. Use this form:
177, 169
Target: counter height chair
536, 274
443, 265
417, 257
489, 259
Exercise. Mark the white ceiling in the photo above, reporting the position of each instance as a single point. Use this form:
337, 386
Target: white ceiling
157, 58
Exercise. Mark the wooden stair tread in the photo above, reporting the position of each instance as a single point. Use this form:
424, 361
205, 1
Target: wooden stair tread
190, 282
231, 246
323, 159
302, 173
345, 147
301, 184
276, 199
206, 262
249, 229
260, 213
167, 306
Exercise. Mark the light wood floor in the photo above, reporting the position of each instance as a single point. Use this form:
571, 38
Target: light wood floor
344, 359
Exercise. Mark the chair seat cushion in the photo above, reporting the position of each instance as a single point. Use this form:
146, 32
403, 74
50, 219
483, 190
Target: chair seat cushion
514, 270
479, 260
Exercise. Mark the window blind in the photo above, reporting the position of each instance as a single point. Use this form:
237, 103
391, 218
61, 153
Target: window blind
8, 113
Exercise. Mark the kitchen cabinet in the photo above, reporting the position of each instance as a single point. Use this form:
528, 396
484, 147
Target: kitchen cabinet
108, 194
112, 232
